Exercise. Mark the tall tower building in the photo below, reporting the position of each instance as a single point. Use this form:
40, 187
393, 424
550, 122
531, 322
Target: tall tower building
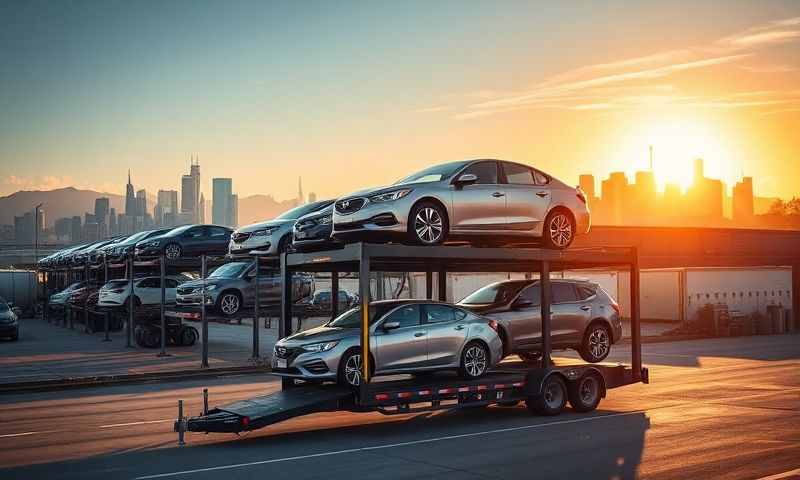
222, 201
586, 182
190, 192
130, 198
743, 201
201, 211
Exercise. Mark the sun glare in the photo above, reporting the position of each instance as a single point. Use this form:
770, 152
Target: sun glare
676, 144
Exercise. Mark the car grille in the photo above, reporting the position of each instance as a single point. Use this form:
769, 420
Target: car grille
350, 205
240, 237
185, 290
288, 353
300, 226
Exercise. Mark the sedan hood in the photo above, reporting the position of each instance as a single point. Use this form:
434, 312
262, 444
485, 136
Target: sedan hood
262, 225
388, 188
199, 283
480, 307
322, 333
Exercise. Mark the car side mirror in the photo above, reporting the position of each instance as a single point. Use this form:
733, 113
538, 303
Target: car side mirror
466, 179
521, 303
391, 325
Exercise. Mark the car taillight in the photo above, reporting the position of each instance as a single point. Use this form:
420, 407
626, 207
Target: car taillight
493, 325
245, 422
615, 306
579, 193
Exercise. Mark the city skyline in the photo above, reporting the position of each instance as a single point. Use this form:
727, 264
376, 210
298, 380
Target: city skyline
77, 93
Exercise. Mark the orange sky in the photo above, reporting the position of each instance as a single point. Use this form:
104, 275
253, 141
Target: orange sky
361, 95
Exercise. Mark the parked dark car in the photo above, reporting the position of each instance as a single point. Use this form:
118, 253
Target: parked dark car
80, 296
274, 236
88, 254
229, 288
321, 301
9, 323
117, 252
313, 231
187, 241
583, 316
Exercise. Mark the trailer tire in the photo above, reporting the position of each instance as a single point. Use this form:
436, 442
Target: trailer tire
553, 398
586, 392
188, 336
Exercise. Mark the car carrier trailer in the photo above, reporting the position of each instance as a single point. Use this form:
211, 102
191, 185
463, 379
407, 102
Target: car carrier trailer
545, 386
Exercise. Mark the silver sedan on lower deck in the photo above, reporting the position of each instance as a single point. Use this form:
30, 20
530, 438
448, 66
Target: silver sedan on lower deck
406, 336
483, 201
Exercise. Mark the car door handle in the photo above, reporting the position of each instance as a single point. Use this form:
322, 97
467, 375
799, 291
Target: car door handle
459, 327
419, 334
498, 194
542, 194
586, 308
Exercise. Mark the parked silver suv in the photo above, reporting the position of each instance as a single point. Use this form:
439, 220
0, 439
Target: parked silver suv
583, 316
230, 288
476, 200
406, 336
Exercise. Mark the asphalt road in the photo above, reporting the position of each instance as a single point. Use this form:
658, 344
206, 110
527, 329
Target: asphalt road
724, 408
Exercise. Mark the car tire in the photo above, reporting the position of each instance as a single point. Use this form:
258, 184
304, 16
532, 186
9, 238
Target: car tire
553, 398
596, 343
188, 336
559, 229
229, 303
585, 393
173, 251
475, 360
349, 372
427, 224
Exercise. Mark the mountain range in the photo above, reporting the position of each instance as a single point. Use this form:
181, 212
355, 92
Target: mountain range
70, 201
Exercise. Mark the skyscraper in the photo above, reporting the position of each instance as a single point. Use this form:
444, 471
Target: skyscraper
743, 201
190, 192
141, 203
223, 202
166, 205
586, 182
130, 198
201, 213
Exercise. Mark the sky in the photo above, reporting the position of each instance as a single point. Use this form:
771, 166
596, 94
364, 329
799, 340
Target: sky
350, 95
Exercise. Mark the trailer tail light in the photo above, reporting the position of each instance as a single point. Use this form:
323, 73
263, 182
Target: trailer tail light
494, 326
245, 422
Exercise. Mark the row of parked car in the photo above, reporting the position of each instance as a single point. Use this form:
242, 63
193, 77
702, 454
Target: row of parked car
481, 201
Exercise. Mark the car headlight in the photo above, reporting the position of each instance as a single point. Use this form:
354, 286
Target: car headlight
320, 347
210, 287
326, 220
390, 196
264, 232
154, 243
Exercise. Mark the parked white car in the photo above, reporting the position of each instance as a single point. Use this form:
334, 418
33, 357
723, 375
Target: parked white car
147, 291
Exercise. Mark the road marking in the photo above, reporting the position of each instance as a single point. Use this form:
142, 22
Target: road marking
779, 476
144, 422
23, 434
381, 447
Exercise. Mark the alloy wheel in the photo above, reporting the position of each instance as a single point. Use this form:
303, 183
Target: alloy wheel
172, 251
599, 343
429, 225
475, 361
229, 304
560, 230
352, 370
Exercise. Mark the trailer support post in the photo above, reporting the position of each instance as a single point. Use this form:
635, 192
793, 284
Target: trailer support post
441, 279
285, 323
46, 307
203, 319
636, 339
334, 293
106, 326
129, 326
205, 401
163, 283
545, 313
364, 293
256, 301
429, 285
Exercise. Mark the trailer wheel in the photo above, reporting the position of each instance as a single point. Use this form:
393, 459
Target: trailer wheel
585, 393
553, 398
188, 336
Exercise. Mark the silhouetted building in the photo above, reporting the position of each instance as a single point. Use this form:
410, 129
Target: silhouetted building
586, 182
201, 215
167, 203
113, 228
224, 202
130, 198
743, 209
141, 203
312, 197
613, 190
63, 228
190, 192
76, 233
704, 197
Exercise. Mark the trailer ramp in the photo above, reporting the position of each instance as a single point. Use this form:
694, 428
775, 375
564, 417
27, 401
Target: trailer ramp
258, 412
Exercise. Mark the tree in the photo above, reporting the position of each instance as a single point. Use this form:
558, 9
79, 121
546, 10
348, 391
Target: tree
793, 206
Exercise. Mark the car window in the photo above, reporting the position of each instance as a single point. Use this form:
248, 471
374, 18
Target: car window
585, 291
439, 314
541, 178
196, 232
485, 171
406, 316
171, 283
216, 232
149, 283
563, 292
532, 294
518, 174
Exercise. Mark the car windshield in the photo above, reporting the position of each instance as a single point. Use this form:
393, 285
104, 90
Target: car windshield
500, 292
3, 307
298, 212
433, 174
352, 317
230, 270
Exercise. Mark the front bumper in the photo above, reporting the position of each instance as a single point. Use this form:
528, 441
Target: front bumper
195, 299
379, 218
262, 243
298, 363
148, 251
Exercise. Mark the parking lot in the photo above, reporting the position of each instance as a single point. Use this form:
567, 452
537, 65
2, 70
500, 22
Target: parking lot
716, 408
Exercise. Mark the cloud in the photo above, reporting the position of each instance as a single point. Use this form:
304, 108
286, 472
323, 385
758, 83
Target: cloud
628, 83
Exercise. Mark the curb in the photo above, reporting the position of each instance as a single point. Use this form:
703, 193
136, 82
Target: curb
110, 380
666, 338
